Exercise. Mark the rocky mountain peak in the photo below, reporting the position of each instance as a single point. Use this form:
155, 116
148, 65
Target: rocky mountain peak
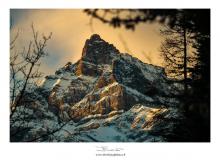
98, 51
96, 54
95, 37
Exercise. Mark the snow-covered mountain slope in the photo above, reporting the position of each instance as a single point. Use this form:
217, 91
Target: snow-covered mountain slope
138, 124
106, 96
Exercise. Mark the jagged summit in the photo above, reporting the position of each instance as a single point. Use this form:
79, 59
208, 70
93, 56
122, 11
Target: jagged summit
97, 51
95, 37
95, 55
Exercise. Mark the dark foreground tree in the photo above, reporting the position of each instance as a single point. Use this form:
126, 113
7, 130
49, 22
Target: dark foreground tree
178, 53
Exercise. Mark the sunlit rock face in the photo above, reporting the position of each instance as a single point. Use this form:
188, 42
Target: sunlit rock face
112, 95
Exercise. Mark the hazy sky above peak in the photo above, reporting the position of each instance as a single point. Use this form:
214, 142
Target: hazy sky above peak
70, 30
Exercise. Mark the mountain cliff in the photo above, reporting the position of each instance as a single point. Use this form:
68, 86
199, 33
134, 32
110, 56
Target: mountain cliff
106, 96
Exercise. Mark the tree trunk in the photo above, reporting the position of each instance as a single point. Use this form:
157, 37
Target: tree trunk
16, 103
185, 61
185, 98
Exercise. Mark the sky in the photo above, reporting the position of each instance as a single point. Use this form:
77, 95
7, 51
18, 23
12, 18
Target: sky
70, 29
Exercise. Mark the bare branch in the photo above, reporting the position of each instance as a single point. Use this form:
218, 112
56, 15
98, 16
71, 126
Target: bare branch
27, 67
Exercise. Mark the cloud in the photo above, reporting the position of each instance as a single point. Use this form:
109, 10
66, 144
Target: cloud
70, 30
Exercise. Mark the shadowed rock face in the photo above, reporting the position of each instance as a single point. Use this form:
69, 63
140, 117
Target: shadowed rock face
89, 69
97, 51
